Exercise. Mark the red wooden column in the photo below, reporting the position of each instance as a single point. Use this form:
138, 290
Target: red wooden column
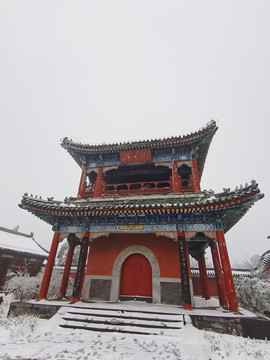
229, 284
80, 274
82, 185
4, 265
98, 185
64, 283
49, 268
196, 177
184, 272
177, 185
203, 276
219, 276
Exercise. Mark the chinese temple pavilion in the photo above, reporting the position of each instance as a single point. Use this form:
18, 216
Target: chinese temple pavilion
138, 217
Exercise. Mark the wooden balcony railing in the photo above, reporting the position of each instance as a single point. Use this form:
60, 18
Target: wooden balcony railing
187, 185
138, 188
146, 187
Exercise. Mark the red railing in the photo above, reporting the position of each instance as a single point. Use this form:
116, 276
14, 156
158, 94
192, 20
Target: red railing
187, 186
138, 187
146, 187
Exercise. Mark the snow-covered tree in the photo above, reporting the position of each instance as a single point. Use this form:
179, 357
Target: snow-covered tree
55, 283
26, 287
62, 254
22, 285
248, 263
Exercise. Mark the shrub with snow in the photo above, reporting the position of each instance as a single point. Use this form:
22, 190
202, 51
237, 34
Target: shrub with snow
22, 285
253, 294
26, 287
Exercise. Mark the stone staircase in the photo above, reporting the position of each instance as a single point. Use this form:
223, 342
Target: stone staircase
122, 320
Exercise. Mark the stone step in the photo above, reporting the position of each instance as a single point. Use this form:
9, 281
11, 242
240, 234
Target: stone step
120, 329
127, 321
126, 310
131, 315
124, 322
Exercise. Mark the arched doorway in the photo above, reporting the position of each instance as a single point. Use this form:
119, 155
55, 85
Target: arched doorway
136, 278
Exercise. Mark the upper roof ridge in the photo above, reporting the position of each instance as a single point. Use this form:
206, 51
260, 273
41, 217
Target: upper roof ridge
69, 143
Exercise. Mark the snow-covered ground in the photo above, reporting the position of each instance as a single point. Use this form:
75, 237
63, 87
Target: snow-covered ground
27, 337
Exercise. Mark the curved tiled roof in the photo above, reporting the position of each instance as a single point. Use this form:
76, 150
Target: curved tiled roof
211, 272
16, 242
200, 139
237, 202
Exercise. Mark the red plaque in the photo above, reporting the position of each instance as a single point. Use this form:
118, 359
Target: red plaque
135, 156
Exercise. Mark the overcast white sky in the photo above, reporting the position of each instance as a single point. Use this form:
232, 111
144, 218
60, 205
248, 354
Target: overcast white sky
110, 71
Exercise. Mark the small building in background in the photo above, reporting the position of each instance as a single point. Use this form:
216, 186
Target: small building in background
212, 281
18, 250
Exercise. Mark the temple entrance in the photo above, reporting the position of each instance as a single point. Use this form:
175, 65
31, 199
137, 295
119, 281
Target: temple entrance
136, 279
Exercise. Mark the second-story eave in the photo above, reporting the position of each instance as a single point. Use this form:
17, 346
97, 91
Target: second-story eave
230, 206
199, 141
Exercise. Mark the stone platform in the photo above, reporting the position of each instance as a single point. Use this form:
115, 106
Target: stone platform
205, 317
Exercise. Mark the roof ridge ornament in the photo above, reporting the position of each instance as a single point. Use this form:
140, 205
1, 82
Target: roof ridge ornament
209, 192
211, 123
226, 190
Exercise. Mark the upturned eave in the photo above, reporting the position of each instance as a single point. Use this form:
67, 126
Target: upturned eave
199, 140
230, 205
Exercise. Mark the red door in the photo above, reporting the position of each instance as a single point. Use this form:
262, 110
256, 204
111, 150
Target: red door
136, 277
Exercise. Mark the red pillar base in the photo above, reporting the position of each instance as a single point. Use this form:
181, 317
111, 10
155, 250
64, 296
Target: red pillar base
74, 300
187, 307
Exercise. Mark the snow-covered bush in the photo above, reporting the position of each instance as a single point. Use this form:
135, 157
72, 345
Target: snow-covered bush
26, 287
221, 346
253, 294
22, 285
